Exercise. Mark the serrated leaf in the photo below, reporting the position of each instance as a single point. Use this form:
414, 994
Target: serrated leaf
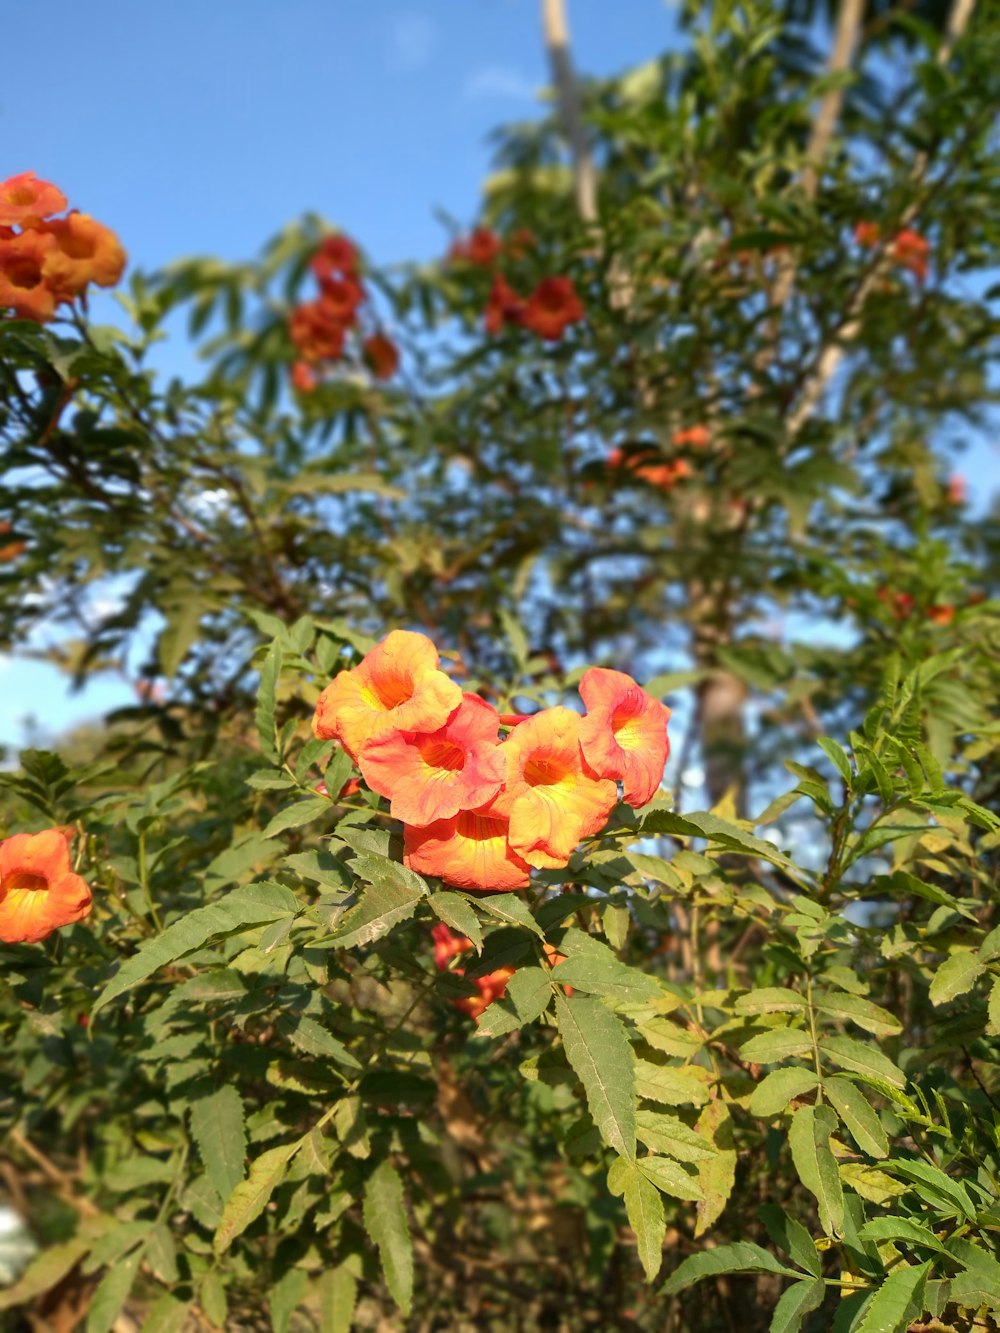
739, 1257
768, 1048
511, 909
285, 1296
112, 1293
872, 1017
897, 1302
792, 1237
957, 974
644, 1209
264, 715
857, 1113
717, 1174
312, 1038
670, 1178
773, 1094
218, 1130
385, 1221
672, 1085
835, 752
901, 1228
249, 1199
45, 1271
458, 912
297, 814
250, 905
597, 1047
796, 1301
808, 1139
601, 973
933, 1186
381, 908
526, 998
337, 1292
770, 1000
856, 1058
669, 1134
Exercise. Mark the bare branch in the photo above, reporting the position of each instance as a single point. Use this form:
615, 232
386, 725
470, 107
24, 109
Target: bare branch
556, 33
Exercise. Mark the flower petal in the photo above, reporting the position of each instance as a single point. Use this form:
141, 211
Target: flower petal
470, 851
624, 734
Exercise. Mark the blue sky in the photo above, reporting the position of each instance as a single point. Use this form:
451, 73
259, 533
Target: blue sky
203, 127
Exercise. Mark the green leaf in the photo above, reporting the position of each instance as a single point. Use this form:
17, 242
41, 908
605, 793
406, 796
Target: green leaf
386, 1224
249, 1199
297, 814
337, 1291
179, 633
798, 1300
264, 715
702, 824
672, 1085
779, 1044
872, 1017
381, 908
285, 1296
217, 1127
857, 1058
957, 974
934, 1186
458, 912
644, 1209
716, 1175
901, 1229
669, 1134
527, 997
808, 1138
112, 1293
670, 1178
770, 1000
772, 1094
312, 1038
45, 1271
597, 1047
739, 1257
897, 1302
857, 1113
836, 753
598, 972
792, 1237
250, 905
511, 909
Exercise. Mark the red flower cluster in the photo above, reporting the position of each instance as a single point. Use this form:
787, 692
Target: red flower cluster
902, 605
480, 812
448, 945
907, 248
38, 890
552, 306
47, 261
663, 475
319, 328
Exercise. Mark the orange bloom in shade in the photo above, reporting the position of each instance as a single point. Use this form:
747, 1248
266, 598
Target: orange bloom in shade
38, 890
520, 242
624, 734
490, 988
662, 475
431, 775
382, 355
24, 197
315, 334
396, 687
911, 251
482, 246
303, 377
504, 306
696, 436
552, 798
335, 255
340, 298
469, 851
447, 945
866, 234
85, 251
23, 287
941, 613
551, 308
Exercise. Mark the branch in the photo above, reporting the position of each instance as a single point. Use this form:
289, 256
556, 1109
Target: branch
556, 32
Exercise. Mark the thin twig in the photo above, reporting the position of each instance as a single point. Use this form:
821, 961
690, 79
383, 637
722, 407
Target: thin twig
556, 32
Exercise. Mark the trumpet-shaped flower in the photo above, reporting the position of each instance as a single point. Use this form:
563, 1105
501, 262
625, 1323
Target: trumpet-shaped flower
84, 251
552, 798
336, 255
317, 336
504, 306
624, 734
25, 197
396, 687
382, 356
470, 851
491, 987
38, 890
340, 298
447, 945
23, 286
431, 775
551, 307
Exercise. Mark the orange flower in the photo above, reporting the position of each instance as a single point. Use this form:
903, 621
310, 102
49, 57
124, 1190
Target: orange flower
899, 603
941, 613
490, 988
520, 242
624, 734
382, 355
315, 334
24, 197
432, 775
867, 234
336, 254
11, 551
340, 298
662, 475
696, 436
84, 251
447, 945
38, 890
482, 246
23, 287
911, 251
396, 687
504, 306
551, 308
469, 851
551, 797
303, 377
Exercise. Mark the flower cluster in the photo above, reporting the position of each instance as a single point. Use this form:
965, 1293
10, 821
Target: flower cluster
47, 261
548, 311
38, 890
477, 811
907, 248
319, 328
647, 464
448, 945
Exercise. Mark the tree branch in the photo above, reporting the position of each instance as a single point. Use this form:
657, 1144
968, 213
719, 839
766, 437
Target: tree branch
556, 32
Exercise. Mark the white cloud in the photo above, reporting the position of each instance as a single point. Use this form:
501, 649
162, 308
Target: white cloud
498, 81
411, 40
